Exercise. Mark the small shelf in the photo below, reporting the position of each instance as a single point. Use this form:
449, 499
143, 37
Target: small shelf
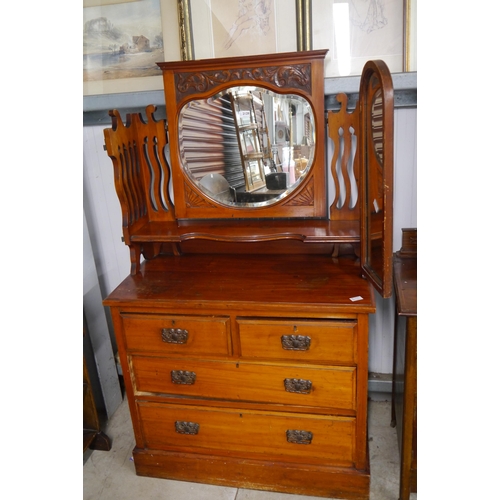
308, 231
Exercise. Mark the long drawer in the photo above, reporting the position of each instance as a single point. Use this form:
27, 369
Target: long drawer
277, 436
332, 341
173, 335
315, 386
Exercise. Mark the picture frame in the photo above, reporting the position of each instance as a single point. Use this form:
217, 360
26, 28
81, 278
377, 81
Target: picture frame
356, 31
222, 28
410, 38
171, 48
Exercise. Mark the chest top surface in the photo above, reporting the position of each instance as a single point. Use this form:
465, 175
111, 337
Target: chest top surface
236, 281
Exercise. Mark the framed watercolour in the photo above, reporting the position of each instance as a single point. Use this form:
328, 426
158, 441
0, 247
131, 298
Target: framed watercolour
356, 31
224, 28
122, 42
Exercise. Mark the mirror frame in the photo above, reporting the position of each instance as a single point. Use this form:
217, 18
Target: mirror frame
299, 73
378, 72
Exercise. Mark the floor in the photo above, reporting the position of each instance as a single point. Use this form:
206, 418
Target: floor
110, 475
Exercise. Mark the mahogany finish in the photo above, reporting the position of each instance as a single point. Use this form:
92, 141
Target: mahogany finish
244, 332
242, 375
404, 384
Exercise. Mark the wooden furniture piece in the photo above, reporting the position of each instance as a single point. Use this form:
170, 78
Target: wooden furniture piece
93, 437
404, 384
243, 333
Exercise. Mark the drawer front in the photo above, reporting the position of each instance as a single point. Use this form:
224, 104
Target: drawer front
325, 387
277, 436
172, 335
307, 341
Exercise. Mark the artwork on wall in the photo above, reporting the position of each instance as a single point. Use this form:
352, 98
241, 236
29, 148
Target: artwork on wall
122, 42
356, 31
225, 28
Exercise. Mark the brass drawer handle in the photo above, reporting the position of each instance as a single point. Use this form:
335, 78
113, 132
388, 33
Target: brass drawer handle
183, 377
295, 342
298, 385
299, 437
186, 427
174, 335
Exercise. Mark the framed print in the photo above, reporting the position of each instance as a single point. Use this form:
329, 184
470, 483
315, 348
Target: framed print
410, 7
122, 42
356, 31
224, 28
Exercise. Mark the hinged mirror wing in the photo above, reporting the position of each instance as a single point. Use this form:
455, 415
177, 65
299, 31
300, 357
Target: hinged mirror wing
377, 152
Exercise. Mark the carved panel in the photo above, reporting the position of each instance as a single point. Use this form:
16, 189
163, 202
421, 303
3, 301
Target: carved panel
306, 196
194, 200
293, 76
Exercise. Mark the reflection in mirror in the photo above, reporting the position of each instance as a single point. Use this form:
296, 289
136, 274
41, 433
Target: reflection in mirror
375, 176
247, 145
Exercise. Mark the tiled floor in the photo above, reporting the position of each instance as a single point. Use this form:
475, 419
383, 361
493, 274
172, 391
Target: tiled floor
110, 475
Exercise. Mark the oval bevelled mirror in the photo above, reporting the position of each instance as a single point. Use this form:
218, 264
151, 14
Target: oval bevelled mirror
247, 146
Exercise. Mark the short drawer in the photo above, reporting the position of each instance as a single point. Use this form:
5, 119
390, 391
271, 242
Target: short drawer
274, 435
322, 387
170, 334
307, 341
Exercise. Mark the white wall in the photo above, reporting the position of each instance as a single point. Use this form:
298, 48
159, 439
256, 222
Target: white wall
111, 256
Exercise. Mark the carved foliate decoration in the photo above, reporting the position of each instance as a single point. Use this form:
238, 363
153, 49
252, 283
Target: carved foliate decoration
194, 200
297, 76
306, 196
299, 437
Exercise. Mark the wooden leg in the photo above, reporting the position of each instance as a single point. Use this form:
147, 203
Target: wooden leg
394, 368
408, 407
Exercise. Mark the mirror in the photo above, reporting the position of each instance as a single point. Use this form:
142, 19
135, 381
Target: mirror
377, 96
376, 184
247, 146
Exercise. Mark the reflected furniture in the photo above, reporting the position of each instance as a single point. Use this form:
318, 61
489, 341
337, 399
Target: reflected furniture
404, 395
243, 325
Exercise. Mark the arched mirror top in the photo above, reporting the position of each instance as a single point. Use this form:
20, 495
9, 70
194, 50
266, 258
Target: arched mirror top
246, 136
247, 146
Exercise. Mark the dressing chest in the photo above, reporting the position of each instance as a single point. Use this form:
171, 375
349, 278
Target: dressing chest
243, 325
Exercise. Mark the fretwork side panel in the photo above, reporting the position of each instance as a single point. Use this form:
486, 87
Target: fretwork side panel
343, 130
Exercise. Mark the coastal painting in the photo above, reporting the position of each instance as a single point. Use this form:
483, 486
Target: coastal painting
122, 40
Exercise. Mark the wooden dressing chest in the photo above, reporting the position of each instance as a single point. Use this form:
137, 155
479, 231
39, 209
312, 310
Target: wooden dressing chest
243, 326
